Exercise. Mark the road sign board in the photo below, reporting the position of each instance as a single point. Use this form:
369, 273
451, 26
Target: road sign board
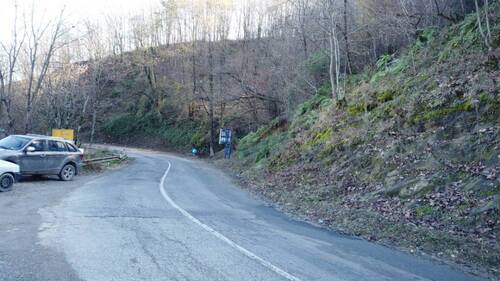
68, 134
225, 136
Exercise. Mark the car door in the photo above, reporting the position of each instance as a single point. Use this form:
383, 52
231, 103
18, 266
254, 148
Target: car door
74, 154
56, 155
34, 162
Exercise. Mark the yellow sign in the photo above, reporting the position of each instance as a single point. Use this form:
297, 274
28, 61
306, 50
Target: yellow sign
68, 134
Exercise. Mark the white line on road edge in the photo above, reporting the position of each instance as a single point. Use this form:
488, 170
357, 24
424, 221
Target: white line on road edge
219, 235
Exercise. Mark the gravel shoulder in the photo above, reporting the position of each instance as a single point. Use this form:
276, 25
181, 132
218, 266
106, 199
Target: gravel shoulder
21, 255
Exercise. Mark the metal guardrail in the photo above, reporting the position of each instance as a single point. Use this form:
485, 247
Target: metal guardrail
104, 159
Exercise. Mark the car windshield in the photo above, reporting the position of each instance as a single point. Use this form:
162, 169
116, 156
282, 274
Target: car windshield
13, 142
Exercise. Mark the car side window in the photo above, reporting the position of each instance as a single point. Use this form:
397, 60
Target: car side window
71, 148
57, 146
38, 145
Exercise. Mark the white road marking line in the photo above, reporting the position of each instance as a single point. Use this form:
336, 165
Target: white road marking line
242, 250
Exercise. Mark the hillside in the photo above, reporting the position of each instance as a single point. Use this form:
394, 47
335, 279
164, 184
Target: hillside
149, 97
411, 160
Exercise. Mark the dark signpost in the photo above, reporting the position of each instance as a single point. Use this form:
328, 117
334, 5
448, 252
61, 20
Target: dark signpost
225, 138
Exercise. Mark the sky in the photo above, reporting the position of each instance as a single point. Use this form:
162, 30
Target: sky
75, 10
78, 9
96, 11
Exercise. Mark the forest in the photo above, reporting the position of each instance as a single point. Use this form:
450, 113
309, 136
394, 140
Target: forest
178, 72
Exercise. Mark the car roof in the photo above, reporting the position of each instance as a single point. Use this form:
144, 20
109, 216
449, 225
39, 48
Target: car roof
34, 136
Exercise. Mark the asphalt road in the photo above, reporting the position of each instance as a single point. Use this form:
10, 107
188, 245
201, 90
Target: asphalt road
166, 218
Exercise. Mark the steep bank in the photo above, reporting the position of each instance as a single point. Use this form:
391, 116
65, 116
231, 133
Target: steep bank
412, 159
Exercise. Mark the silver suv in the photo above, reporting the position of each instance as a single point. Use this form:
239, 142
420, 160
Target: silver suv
42, 155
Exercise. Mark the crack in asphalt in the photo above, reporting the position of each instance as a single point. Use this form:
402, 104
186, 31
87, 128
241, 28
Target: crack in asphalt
142, 242
193, 261
145, 240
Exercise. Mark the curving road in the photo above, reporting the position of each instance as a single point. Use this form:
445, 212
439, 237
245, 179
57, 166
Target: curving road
167, 218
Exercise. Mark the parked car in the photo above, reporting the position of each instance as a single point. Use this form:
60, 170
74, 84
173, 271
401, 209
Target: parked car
9, 172
42, 155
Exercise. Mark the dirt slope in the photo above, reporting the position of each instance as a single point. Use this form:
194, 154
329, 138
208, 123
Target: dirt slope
411, 160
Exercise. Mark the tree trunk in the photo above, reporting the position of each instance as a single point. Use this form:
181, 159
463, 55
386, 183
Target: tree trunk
211, 96
27, 120
2, 95
303, 29
334, 70
29, 94
193, 68
346, 40
222, 61
486, 15
81, 119
480, 25
92, 130
331, 69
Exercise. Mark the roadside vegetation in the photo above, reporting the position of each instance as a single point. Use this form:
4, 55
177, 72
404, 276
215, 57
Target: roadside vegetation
412, 157
99, 158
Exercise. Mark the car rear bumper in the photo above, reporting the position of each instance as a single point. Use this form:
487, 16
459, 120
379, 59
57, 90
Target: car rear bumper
79, 167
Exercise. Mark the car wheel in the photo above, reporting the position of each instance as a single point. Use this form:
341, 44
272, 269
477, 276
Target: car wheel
6, 182
67, 172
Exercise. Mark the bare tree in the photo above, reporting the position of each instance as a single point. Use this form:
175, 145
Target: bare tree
330, 25
484, 35
11, 52
116, 35
38, 59
93, 42
346, 40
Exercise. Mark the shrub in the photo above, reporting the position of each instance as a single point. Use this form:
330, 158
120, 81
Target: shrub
121, 126
427, 115
318, 64
179, 136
